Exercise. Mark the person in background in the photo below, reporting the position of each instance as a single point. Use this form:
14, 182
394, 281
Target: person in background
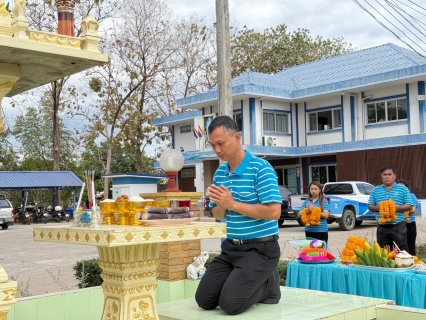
245, 192
411, 224
316, 199
393, 231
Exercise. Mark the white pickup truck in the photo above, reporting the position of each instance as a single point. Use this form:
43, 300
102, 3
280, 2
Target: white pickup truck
348, 203
6, 216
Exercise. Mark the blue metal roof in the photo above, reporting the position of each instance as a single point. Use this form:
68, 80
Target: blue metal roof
134, 175
356, 69
38, 180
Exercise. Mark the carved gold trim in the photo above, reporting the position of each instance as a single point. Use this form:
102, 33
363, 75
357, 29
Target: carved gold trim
127, 266
7, 85
129, 277
119, 290
115, 236
55, 39
9, 294
3, 315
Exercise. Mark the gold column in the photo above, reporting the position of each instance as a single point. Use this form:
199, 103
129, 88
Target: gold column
9, 74
130, 281
8, 293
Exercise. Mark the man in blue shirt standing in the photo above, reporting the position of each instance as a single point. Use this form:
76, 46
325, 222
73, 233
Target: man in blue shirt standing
245, 192
394, 231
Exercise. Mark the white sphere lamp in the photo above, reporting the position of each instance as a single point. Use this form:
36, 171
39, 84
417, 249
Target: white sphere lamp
171, 161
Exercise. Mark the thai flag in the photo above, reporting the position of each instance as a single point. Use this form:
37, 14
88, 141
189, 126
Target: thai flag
195, 132
200, 132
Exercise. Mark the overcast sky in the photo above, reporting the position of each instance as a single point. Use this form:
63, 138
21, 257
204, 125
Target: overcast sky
326, 18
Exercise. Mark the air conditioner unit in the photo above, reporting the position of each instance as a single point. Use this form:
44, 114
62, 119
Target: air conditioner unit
269, 141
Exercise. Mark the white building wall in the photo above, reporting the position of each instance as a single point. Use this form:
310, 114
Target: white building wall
185, 140
325, 137
385, 92
301, 124
414, 108
386, 131
199, 180
346, 117
360, 117
246, 121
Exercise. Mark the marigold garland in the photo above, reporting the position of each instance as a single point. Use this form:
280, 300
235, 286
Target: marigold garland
312, 217
352, 243
387, 211
407, 216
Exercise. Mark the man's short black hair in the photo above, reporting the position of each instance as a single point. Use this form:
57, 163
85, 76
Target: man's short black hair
226, 122
388, 168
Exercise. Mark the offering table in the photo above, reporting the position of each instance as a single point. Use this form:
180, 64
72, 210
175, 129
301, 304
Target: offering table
405, 288
129, 257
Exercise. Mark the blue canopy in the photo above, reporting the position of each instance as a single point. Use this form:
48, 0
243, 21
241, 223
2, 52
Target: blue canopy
25, 180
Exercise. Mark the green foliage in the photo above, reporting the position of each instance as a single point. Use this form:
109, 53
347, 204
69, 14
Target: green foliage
421, 251
88, 273
274, 49
282, 267
210, 259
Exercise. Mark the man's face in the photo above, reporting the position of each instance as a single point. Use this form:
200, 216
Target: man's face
388, 177
224, 144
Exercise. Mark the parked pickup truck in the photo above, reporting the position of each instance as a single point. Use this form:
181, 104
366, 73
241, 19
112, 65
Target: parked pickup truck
290, 205
6, 214
348, 203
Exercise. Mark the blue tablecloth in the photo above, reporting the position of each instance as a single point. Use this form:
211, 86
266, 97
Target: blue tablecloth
405, 288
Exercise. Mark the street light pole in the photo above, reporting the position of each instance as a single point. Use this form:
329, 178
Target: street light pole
223, 58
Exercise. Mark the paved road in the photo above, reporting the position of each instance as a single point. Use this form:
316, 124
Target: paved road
30, 261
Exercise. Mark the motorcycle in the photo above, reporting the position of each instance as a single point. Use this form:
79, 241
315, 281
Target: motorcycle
60, 212
21, 215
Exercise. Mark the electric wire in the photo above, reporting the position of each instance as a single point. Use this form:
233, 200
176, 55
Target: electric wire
402, 23
409, 15
387, 28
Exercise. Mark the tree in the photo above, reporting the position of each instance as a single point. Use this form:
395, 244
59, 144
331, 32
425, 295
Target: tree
9, 158
274, 49
142, 81
42, 15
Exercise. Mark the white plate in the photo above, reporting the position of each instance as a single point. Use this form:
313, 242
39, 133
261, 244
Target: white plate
167, 222
419, 271
360, 266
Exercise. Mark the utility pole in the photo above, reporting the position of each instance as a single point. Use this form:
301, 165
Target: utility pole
223, 58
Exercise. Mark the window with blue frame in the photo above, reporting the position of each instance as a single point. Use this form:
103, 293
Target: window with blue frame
185, 129
325, 120
277, 122
324, 173
388, 110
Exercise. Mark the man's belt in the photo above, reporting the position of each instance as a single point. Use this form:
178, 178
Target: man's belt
255, 240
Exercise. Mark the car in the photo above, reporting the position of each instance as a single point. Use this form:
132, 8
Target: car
6, 214
287, 211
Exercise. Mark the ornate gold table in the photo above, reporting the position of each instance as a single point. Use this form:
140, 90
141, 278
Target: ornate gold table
129, 257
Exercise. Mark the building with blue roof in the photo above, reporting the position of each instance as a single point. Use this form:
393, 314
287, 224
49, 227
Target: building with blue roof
340, 118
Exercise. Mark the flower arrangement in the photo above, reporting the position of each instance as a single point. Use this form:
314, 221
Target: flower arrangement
407, 216
352, 243
387, 211
312, 217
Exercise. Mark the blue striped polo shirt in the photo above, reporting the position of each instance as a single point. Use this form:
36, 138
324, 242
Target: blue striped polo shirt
323, 227
413, 216
399, 194
253, 181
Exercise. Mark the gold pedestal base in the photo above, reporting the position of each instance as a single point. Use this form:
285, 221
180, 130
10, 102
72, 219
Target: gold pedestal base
130, 281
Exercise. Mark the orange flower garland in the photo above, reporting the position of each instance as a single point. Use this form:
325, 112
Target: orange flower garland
311, 218
387, 211
407, 216
353, 243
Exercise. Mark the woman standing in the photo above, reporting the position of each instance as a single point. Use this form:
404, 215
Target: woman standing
411, 223
316, 199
